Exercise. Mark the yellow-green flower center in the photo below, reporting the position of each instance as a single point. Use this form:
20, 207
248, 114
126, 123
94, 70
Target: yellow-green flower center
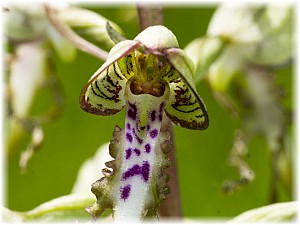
148, 77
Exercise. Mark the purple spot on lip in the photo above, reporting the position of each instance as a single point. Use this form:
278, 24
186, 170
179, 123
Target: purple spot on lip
128, 153
148, 127
153, 133
129, 137
148, 148
137, 152
133, 171
132, 111
143, 170
128, 126
161, 107
153, 115
160, 117
125, 191
139, 140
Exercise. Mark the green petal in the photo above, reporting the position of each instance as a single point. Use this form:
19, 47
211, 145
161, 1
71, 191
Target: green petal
104, 93
185, 106
120, 50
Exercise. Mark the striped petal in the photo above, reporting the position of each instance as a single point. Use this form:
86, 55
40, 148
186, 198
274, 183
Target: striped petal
104, 93
185, 106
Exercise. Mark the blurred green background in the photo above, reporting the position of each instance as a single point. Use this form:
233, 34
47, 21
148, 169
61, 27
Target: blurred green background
202, 156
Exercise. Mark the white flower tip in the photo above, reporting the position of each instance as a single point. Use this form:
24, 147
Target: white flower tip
157, 37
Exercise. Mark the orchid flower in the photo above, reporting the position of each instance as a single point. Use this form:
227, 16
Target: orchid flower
149, 75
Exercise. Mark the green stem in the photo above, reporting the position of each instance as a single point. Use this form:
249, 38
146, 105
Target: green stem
149, 15
171, 207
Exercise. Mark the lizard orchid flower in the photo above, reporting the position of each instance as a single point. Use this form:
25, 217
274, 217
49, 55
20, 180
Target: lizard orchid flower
149, 75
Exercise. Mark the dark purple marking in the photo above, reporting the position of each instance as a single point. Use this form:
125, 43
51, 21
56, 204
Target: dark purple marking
148, 127
129, 137
145, 170
148, 148
128, 153
128, 126
133, 171
138, 139
136, 170
125, 192
137, 126
132, 111
153, 115
153, 133
160, 117
161, 107
137, 151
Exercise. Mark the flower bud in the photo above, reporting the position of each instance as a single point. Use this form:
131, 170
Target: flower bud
236, 22
89, 25
264, 33
222, 71
277, 44
203, 52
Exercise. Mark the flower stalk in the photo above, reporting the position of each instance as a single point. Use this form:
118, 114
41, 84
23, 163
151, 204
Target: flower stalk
149, 15
71, 36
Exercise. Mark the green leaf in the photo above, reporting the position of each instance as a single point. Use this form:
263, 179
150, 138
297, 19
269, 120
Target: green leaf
279, 212
68, 208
